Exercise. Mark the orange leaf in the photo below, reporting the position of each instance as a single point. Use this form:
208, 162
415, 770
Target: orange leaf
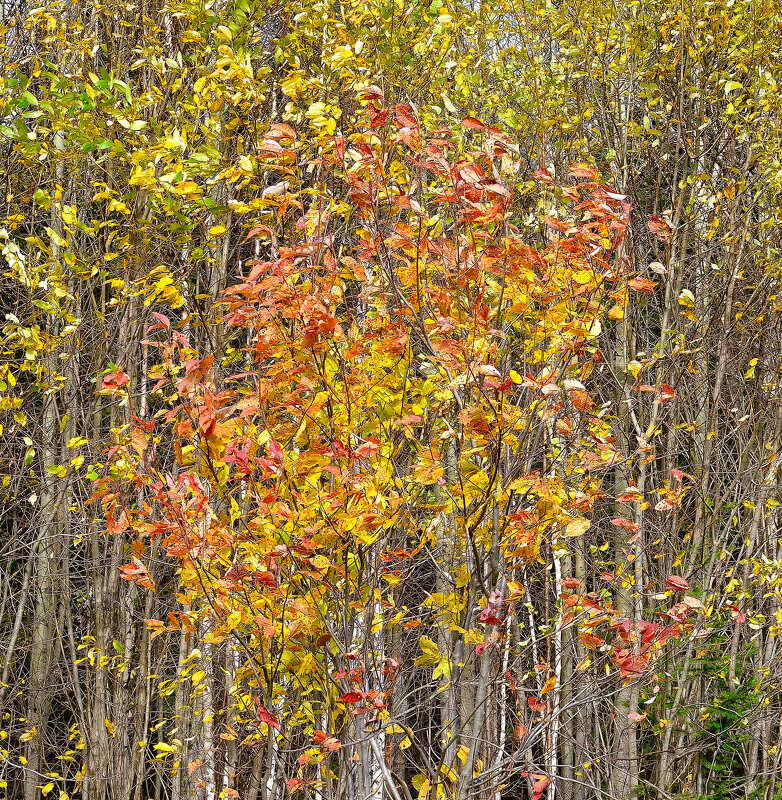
590, 640
583, 171
642, 285
666, 393
473, 124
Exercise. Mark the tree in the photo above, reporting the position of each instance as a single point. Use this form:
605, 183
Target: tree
409, 436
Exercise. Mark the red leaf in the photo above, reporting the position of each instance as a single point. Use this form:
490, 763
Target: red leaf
269, 147
629, 663
408, 419
661, 229
539, 787
163, 319
193, 766
350, 697
136, 572
590, 640
281, 130
538, 706
257, 231
328, 743
677, 583
629, 525
264, 715
379, 119
275, 451
371, 92
543, 176
115, 380
630, 495
367, 450
405, 118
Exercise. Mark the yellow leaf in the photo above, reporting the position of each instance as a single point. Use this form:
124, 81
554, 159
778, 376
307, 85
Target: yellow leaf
448, 104
321, 562
56, 238
583, 276
315, 110
421, 785
428, 474
578, 527
431, 653
188, 188
28, 735
515, 590
686, 298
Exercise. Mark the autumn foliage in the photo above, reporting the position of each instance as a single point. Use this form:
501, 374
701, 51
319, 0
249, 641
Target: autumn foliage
390, 400
423, 391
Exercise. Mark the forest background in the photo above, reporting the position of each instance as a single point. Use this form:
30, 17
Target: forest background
390, 400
